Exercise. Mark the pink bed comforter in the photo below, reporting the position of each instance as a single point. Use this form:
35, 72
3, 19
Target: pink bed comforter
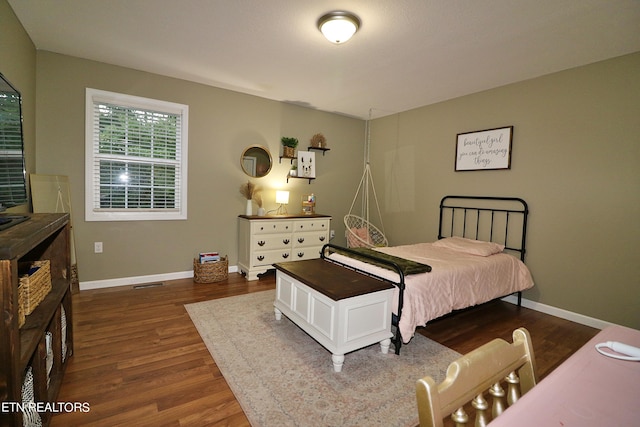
457, 280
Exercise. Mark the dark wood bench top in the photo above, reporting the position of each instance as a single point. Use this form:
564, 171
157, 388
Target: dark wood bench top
332, 280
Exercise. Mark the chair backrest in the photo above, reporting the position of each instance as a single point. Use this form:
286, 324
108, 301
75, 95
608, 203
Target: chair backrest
482, 373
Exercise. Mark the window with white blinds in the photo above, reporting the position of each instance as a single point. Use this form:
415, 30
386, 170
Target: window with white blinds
13, 190
136, 165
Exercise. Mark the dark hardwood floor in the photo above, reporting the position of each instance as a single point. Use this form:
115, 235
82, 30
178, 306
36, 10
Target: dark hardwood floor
138, 359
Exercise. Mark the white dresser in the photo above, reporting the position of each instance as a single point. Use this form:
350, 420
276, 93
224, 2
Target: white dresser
265, 240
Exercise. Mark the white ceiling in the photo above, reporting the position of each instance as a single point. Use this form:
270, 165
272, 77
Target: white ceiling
407, 54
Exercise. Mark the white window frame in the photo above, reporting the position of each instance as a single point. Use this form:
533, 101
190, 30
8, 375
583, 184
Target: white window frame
93, 212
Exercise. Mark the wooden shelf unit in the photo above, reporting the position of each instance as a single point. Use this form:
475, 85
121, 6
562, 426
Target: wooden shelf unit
41, 237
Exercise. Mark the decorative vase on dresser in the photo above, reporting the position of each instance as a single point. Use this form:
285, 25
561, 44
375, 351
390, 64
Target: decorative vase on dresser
265, 240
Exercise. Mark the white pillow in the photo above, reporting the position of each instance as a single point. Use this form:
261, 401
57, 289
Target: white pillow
469, 246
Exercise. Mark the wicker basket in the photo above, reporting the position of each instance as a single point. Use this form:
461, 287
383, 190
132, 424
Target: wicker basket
35, 287
210, 272
21, 316
288, 152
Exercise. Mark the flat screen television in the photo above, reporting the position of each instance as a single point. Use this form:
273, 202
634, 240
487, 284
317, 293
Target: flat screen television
13, 185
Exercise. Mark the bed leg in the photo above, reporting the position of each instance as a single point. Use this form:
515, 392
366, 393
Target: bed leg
520, 299
397, 341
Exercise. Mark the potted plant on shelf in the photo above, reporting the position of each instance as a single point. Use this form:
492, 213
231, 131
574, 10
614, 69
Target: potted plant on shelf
294, 170
289, 146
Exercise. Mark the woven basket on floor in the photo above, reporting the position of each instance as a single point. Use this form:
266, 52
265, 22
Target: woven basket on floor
35, 287
210, 272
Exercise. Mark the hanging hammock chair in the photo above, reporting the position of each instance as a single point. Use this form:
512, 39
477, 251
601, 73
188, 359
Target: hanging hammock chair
360, 231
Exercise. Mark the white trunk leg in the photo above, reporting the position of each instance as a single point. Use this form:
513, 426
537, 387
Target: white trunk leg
278, 314
338, 360
384, 345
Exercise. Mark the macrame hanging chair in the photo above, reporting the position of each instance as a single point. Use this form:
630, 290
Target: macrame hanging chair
360, 231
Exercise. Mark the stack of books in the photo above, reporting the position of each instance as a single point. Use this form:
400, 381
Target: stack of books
206, 257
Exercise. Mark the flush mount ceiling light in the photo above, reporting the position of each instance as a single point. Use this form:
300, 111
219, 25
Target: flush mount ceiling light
338, 27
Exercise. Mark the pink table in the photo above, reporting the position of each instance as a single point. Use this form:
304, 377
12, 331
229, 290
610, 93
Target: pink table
588, 389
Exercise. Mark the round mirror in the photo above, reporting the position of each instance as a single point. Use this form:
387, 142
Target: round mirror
256, 161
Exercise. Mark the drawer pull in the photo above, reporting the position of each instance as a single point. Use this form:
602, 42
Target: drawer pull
286, 241
285, 256
261, 243
300, 239
300, 254
322, 238
260, 257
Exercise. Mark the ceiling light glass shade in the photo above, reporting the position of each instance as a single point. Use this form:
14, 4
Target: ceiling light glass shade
338, 27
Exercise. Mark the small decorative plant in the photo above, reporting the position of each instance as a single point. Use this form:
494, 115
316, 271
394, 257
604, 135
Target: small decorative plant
294, 170
249, 190
289, 142
289, 146
257, 197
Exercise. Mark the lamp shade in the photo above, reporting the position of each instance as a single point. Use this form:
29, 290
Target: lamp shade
338, 27
282, 197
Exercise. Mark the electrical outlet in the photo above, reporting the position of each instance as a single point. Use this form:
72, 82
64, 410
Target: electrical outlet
332, 234
97, 247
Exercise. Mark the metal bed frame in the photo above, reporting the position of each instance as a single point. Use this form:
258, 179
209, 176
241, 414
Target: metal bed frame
494, 219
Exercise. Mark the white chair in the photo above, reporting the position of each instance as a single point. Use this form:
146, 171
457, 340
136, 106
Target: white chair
482, 371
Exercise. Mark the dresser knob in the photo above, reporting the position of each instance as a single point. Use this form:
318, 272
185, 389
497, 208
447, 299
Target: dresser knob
260, 257
285, 255
322, 238
300, 254
261, 243
300, 239
286, 241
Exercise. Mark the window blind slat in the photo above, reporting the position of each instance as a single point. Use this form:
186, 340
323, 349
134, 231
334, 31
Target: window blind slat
12, 172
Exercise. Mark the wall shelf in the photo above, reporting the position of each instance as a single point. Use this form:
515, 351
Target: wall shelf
324, 150
287, 157
299, 177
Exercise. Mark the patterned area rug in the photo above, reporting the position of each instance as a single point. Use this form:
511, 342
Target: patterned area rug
283, 377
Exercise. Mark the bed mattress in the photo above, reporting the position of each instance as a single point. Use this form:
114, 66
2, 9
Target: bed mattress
457, 280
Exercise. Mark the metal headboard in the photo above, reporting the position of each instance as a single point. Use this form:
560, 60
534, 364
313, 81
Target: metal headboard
493, 219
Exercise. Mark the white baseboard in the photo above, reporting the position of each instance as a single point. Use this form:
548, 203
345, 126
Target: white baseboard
513, 299
558, 312
137, 280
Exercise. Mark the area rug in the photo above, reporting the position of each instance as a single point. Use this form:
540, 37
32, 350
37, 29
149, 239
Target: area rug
283, 377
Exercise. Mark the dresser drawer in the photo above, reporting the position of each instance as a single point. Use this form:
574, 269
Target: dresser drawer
312, 252
317, 238
269, 227
311, 225
266, 242
270, 257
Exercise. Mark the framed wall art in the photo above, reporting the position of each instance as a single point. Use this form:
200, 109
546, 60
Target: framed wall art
484, 149
306, 164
